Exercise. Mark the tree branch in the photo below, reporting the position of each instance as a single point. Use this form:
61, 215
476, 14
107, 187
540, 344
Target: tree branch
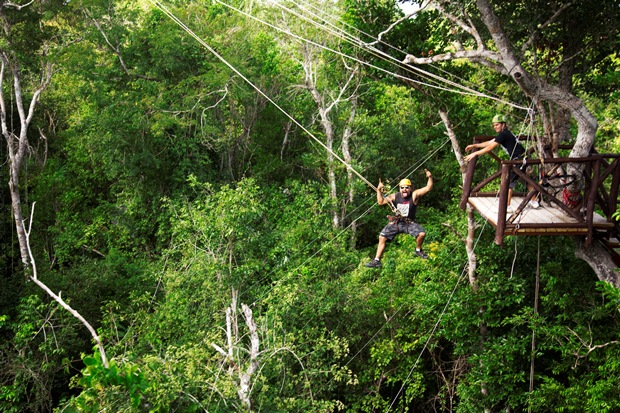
588, 345
17, 6
484, 57
467, 27
396, 23
58, 298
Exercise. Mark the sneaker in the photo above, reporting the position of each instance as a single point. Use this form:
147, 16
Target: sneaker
509, 210
421, 254
375, 263
534, 204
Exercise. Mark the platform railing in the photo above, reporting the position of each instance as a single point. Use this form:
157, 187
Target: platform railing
600, 175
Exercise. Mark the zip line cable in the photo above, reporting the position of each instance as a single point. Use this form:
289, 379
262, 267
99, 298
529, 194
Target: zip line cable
366, 212
466, 91
484, 225
434, 329
342, 34
408, 67
158, 4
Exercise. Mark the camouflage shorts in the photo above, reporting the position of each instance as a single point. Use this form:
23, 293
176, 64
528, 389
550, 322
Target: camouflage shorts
401, 227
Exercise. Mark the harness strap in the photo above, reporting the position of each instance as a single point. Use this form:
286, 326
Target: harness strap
395, 219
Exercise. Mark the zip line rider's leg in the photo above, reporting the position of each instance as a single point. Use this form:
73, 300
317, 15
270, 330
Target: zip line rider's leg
380, 247
419, 240
376, 262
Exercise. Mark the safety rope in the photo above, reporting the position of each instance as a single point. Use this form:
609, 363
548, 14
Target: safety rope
533, 349
436, 325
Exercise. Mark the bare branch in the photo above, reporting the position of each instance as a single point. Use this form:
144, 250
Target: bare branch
58, 298
246, 378
232, 338
467, 27
115, 49
17, 6
588, 344
86, 247
453, 139
343, 88
478, 55
47, 71
455, 231
220, 350
396, 23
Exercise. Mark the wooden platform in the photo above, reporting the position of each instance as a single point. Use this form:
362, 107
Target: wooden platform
545, 220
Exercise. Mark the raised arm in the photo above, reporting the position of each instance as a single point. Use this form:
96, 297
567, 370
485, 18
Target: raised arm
424, 190
382, 199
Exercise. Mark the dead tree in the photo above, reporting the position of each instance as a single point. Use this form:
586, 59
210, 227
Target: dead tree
240, 371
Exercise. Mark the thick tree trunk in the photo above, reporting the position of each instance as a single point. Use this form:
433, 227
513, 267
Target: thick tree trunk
535, 86
599, 260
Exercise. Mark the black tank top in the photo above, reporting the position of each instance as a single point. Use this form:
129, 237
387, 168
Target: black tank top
405, 206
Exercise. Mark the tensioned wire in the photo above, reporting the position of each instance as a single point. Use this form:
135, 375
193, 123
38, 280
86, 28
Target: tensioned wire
189, 31
486, 93
465, 91
326, 244
376, 52
342, 34
210, 49
434, 329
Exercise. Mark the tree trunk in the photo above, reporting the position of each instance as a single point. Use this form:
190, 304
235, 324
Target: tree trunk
470, 241
235, 364
346, 154
535, 86
599, 260
324, 108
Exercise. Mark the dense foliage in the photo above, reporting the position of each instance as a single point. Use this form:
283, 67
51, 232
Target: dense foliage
171, 196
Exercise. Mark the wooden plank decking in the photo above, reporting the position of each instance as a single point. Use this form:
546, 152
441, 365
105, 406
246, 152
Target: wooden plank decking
546, 220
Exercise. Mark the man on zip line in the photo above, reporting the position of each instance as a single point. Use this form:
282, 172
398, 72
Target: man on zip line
405, 205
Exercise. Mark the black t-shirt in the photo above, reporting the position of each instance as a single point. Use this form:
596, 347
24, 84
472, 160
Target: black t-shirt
510, 144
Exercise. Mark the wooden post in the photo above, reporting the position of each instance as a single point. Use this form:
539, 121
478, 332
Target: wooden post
613, 192
503, 203
591, 200
469, 176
